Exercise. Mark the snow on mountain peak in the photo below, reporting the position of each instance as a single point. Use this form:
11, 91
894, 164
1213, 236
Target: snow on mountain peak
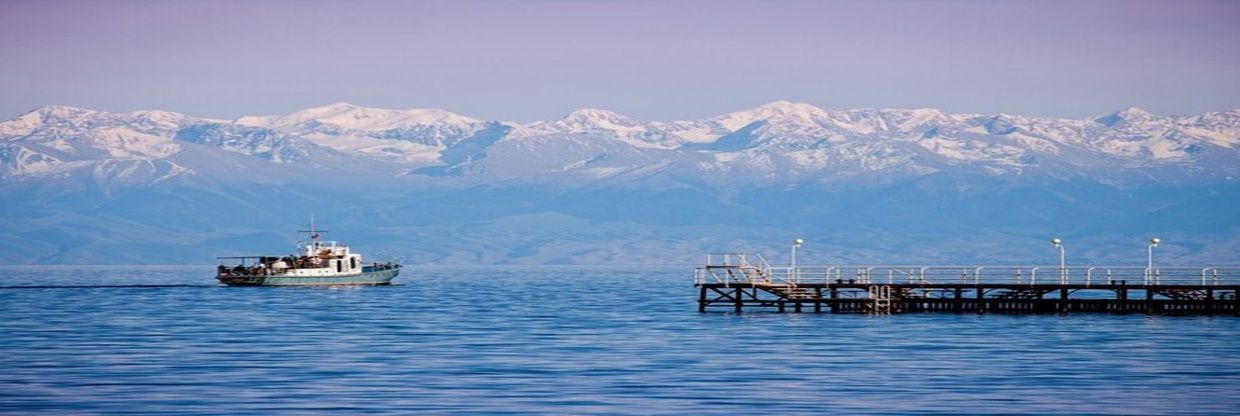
789, 107
908, 120
46, 112
1130, 115
592, 117
330, 110
1131, 112
587, 121
336, 106
28, 122
778, 110
166, 119
355, 117
410, 135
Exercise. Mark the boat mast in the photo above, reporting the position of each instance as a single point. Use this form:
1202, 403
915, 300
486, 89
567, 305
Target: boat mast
314, 234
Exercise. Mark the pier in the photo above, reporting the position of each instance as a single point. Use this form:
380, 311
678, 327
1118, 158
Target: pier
736, 282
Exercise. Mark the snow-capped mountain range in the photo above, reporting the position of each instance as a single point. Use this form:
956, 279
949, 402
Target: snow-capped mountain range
87, 186
776, 142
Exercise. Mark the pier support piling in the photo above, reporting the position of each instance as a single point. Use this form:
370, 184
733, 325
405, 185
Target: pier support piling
702, 300
1235, 300
1149, 300
958, 307
981, 300
1122, 300
737, 298
835, 299
1063, 299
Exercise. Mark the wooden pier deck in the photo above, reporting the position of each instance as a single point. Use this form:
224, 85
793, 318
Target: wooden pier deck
736, 282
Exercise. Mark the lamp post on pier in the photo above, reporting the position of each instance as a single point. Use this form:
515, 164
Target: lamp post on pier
1149, 264
793, 269
1063, 271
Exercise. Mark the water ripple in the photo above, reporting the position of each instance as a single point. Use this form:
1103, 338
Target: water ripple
566, 340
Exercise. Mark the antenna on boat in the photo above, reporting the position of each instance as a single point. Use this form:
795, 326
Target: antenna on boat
314, 234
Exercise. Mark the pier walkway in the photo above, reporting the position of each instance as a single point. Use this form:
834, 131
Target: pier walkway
738, 281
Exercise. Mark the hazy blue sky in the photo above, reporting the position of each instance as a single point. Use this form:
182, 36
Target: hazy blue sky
650, 59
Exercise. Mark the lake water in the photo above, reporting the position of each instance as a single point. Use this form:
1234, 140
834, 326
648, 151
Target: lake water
567, 340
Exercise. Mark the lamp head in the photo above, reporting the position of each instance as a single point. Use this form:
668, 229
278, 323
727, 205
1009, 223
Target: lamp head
1056, 241
798, 242
1155, 241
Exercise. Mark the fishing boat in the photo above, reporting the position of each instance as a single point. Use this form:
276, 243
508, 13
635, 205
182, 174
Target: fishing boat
317, 263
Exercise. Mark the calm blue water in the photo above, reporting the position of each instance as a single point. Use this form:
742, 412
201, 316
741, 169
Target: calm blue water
567, 340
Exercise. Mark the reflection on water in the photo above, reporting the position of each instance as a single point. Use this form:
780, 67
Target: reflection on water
566, 340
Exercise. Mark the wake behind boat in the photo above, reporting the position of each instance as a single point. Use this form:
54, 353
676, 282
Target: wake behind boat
318, 263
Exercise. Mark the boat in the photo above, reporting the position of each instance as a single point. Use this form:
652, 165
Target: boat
317, 263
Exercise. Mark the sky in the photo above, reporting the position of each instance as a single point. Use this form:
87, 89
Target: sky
653, 60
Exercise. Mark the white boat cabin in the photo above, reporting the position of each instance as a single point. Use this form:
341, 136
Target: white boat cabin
321, 258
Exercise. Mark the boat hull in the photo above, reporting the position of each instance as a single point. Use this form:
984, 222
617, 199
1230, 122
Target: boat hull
366, 278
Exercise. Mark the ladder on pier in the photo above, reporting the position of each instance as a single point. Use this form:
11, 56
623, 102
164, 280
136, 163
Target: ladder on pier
880, 299
738, 268
748, 273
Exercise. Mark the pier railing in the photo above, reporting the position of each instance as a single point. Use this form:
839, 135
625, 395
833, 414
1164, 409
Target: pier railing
738, 268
